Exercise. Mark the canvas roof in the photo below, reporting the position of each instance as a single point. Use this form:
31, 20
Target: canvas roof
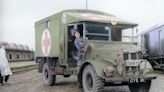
76, 15
96, 16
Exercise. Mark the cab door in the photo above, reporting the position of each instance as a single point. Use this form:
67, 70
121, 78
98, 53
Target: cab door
71, 49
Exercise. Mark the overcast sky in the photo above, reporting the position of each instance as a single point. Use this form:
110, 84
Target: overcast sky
17, 17
1, 21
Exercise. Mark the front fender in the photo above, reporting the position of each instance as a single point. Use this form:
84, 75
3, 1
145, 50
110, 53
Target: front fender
99, 66
146, 67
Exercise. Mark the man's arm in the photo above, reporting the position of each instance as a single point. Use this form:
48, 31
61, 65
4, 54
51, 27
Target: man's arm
81, 44
76, 43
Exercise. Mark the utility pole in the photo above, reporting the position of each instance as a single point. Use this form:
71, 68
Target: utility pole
86, 7
132, 35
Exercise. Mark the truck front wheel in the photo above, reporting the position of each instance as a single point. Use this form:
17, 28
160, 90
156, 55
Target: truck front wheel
48, 78
91, 81
140, 87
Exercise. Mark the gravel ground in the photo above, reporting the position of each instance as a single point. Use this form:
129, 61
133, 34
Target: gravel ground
158, 84
32, 82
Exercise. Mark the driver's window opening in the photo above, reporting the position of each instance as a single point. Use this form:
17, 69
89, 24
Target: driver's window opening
127, 35
71, 47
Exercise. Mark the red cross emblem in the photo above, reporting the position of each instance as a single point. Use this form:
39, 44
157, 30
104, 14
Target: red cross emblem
46, 42
114, 21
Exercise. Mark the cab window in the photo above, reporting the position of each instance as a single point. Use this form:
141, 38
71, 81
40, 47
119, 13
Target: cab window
97, 32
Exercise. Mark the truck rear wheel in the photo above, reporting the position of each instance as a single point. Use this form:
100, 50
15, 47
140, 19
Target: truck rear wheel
48, 78
91, 81
140, 87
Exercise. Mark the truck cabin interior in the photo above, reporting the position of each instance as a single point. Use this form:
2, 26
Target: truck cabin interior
71, 47
95, 31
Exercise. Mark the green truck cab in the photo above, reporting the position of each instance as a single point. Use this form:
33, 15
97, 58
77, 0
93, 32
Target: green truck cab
106, 61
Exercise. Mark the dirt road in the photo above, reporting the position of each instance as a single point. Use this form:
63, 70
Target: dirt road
32, 82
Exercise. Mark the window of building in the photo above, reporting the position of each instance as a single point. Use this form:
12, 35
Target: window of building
10, 56
17, 56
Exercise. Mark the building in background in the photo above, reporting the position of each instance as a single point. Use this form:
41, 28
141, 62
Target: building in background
18, 52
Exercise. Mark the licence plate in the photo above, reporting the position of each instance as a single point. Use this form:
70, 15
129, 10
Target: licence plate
136, 80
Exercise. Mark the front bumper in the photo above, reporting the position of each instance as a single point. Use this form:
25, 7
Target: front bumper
130, 79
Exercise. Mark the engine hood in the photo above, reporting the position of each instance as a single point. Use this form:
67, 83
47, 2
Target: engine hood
110, 51
114, 46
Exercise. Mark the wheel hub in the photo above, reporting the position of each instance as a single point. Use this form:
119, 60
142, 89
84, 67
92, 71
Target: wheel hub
89, 81
46, 74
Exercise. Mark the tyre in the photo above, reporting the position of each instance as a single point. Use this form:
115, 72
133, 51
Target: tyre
140, 87
48, 78
91, 81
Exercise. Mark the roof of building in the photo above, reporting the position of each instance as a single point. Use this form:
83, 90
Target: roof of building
15, 46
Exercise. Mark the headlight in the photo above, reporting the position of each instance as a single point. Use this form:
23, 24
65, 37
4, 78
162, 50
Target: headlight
132, 70
109, 71
132, 67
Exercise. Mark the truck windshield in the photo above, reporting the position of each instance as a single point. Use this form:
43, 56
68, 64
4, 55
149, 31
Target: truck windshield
97, 32
104, 32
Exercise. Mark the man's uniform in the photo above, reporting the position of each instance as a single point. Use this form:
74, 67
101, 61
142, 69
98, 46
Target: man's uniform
80, 49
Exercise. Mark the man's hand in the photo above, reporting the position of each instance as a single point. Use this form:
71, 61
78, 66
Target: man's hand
87, 44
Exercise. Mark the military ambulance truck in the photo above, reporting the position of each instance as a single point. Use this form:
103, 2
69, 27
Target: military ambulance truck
107, 61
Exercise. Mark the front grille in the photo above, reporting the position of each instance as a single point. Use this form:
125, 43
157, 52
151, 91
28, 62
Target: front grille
133, 56
126, 56
132, 70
